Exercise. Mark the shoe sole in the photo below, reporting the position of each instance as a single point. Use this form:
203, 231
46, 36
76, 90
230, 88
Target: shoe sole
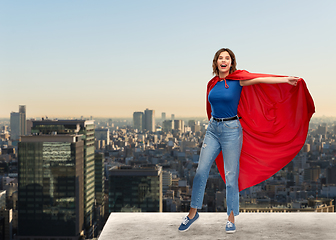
232, 231
189, 226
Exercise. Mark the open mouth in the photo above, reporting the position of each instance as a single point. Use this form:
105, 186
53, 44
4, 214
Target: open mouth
223, 65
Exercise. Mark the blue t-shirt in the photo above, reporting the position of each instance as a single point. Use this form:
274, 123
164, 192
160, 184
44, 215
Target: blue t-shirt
224, 101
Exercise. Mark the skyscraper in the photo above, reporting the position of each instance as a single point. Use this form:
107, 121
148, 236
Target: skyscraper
18, 123
135, 188
86, 129
150, 120
163, 116
103, 134
99, 177
168, 125
179, 125
51, 186
23, 123
331, 174
138, 120
322, 129
15, 126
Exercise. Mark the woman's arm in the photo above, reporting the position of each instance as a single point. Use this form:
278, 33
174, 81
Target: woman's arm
270, 80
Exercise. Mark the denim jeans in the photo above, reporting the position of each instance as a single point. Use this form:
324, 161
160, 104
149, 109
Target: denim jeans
226, 136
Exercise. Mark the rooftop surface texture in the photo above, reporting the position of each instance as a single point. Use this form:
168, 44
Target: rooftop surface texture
212, 226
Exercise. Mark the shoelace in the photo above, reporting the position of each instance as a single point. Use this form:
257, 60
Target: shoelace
229, 224
185, 220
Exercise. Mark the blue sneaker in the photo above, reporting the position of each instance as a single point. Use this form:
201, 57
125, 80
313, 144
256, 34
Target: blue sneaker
230, 227
185, 225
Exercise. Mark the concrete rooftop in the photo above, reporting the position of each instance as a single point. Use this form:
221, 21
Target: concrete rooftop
212, 226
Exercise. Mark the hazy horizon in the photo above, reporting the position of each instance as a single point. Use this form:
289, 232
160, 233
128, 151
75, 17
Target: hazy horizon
333, 118
109, 58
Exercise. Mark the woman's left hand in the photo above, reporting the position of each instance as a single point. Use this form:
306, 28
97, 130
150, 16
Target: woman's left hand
292, 80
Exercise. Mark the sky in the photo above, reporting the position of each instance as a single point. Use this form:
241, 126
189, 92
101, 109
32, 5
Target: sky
112, 58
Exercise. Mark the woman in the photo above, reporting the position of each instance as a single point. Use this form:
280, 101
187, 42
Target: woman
224, 133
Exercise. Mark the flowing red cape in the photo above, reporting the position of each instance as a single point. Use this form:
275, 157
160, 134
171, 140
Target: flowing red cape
275, 121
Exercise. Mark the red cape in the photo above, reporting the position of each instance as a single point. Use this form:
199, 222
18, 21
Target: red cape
275, 120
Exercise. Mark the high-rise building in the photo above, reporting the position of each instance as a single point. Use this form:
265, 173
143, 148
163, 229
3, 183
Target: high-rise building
99, 188
103, 134
331, 174
99, 177
23, 123
300, 160
322, 129
51, 186
194, 125
138, 120
167, 178
150, 120
179, 125
306, 147
173, 117
3, 199
135, 188
6, 215
110, 123
312, 173
191, 123
163, 116
18, 123
29, 125
86, 129
15, 121
168, 125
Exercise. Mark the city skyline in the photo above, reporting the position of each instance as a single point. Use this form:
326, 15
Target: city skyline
64, 59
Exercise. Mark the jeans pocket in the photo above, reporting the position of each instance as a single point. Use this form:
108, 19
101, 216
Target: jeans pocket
232, 124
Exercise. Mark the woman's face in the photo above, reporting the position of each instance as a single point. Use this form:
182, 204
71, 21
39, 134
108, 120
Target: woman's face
224, 63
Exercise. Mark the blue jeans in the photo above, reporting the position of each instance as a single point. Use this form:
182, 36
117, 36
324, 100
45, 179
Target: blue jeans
228, 137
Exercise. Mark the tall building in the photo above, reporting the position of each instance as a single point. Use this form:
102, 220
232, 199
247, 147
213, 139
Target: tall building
138, 120
51, 186
331, 174
29, 125
167, 178
322, 129
6, 219
103, 134
150, 120
99, 177
173, 117
163, 116
194, 125
99, 189
168, 125
3, 199
191, 123
15, 121
312, 173
23, 123
179, 125
18, 123
300, 160
86, 129
135, 188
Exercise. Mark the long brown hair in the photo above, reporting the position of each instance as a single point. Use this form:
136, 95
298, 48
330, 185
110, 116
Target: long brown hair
233, 68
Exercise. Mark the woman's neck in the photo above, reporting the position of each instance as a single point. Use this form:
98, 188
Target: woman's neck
223, 75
